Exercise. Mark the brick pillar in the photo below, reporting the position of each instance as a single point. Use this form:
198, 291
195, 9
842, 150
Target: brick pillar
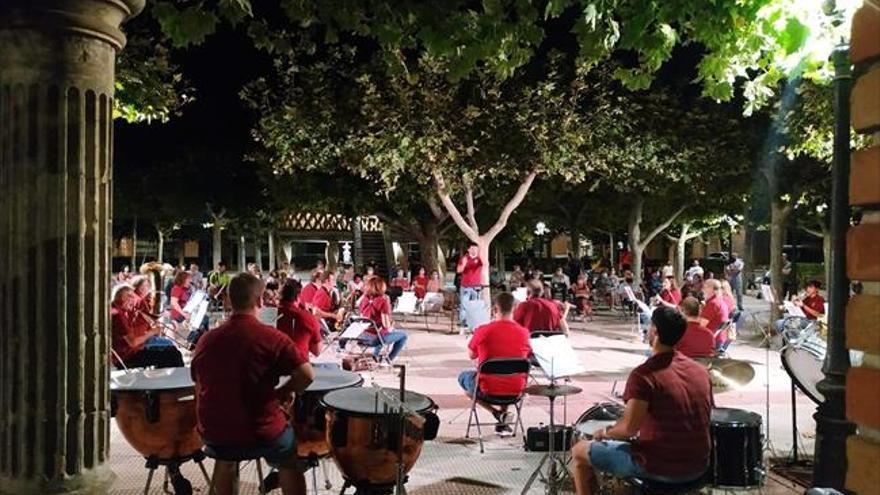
57, 63
863, 260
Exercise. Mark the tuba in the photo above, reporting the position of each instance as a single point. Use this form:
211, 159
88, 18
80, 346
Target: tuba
153, 270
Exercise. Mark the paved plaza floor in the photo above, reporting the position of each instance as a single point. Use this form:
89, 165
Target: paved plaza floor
607, 346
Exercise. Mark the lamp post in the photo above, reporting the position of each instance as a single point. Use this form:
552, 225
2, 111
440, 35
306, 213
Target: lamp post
832, 427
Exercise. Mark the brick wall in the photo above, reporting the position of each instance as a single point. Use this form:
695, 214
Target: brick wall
863, 259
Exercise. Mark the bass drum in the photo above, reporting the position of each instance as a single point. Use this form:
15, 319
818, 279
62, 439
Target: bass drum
736, 462
156, 411
601, 415
363, 434
308, 414
803, 363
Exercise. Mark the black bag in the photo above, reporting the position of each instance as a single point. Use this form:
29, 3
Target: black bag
537, 438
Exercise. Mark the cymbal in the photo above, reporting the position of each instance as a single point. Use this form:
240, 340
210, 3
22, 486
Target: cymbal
553, 390
728, 374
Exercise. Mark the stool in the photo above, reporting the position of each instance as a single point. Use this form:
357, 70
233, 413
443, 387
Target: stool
221, 454
653, 487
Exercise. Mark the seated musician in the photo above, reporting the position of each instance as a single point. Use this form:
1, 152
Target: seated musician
697, 341
813, 305
311, 288
143, 291
715, 312
375, 306
236, 368
136, 337
218, 280
180, 294
297, 322
539, 314
325, 302
664, 432
502, 338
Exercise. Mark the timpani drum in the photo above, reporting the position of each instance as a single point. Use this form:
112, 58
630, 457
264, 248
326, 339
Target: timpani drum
308, 413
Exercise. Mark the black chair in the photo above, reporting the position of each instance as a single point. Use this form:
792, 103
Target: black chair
221, 454
646, 486
497, 367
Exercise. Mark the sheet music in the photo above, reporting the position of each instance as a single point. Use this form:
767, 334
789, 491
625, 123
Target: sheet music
195, 321
767, 292
556, 356
194, 301
477, 313
793, 310
355, 329
268, 316
521, 294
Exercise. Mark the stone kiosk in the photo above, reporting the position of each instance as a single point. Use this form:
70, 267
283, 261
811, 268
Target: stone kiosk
57, 64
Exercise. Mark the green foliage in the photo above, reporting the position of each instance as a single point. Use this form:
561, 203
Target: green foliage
187, 25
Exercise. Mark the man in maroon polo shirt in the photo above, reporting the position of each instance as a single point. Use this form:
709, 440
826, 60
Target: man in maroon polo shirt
539, 314
668, 405
502, 338
236, 368
470, 267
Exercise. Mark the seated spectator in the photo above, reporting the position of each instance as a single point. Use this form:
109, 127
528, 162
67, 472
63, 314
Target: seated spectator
400, 281
502, 338
581, 295
435, 284
517, 278
420, 283
697, 341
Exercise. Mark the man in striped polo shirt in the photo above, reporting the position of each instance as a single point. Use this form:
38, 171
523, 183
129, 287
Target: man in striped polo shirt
664, 432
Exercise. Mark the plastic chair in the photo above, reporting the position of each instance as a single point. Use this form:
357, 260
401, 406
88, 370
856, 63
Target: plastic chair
497, 367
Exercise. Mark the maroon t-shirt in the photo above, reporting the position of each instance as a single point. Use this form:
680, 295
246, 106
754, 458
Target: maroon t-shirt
672, 296
236, 367
322, 300
674, 438
182, 295
501, 339
373, 308
470, 275
122, 326
816, 303
300, 325
697, 341
538, 314
307, 294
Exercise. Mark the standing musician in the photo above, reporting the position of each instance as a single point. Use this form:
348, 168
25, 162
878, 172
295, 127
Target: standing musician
470, 267
376, 306
668, 406
325, 302
539, 314
502, 338
297, 322
135, 338
236, 368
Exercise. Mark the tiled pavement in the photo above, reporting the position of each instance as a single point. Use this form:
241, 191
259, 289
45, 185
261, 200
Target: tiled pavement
451, 465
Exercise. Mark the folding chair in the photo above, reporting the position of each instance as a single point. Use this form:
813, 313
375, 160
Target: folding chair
497, 367
363, 356
432, 303
405, 304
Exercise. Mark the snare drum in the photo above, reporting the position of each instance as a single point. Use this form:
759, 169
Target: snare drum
308, 414
735, 462
363, 434
156, 411
601, 415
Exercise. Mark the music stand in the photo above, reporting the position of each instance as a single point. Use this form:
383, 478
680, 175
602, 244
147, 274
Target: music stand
768, 443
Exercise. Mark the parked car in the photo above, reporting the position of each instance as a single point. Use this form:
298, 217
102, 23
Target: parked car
717, 255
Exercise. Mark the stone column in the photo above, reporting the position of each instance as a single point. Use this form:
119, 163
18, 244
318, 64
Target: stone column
57, 63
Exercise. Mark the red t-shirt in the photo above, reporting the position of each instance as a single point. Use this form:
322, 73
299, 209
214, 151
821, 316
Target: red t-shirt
322, 300
538, 314
501, 339
182, 295
470, 275
672, 296
236, 367
307, 294
816, 303
400, 282
373, 309
715, 310
697, 341
300, 325
420, 285
674, 437
121, 325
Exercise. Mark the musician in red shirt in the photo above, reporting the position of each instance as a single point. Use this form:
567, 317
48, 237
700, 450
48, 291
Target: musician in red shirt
697, 341
668, 406
325, 302
180, 293
376, 307
502, 338
539, 314
297, 322
715, 312
135, 339
310, 289
813, 306
236, 368
470, 268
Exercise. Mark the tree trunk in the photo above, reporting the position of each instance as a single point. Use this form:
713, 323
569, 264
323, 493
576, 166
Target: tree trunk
611, 248
258, 252
271, 238
680, 246
181, 258
778, 219
332, 254
216, 243
575, 242
484, 271
242, 254
134, 245
635, 240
